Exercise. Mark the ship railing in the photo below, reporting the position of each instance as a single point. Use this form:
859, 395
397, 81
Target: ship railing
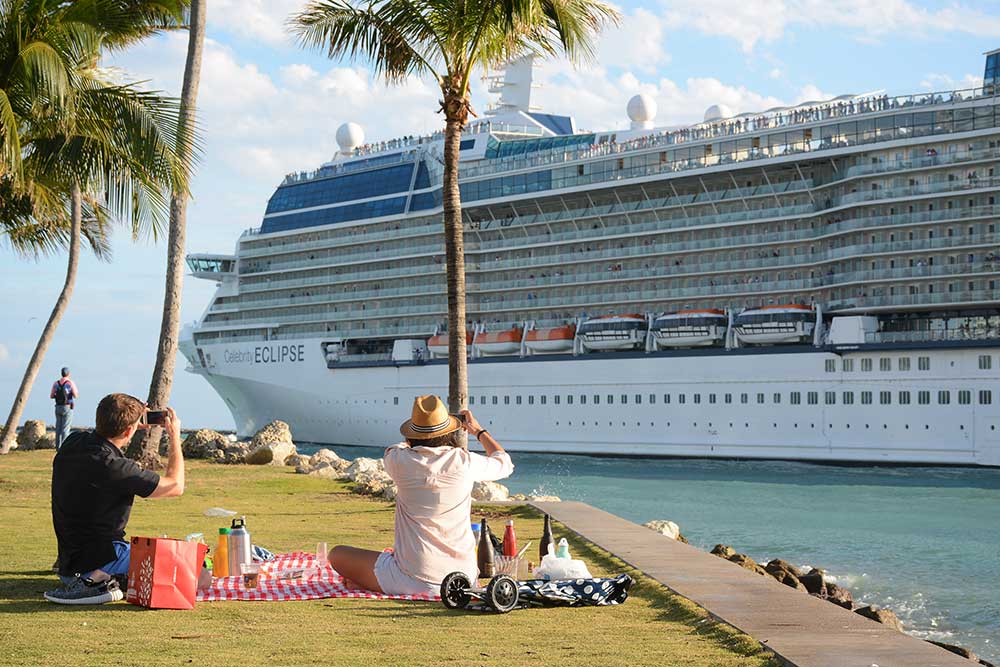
251, 267
934, 335
335, 297
922, 162
343, 277
342, 238
363, 357
970, 183
981, 296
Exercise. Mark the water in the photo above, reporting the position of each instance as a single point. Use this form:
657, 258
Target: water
924, 542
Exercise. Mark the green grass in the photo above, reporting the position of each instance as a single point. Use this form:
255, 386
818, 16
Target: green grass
287, 512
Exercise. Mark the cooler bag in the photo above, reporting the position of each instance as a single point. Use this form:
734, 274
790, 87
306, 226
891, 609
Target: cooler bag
163, 573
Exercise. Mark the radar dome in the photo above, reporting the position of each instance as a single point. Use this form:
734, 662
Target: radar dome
641, 110
349, 137
717, 112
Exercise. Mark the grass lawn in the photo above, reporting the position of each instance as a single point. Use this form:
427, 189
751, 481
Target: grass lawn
288, 512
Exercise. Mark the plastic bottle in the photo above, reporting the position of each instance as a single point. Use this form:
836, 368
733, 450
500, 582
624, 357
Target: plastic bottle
484, 556
221, 562
509, 540
239, 545
546, 545
562, 551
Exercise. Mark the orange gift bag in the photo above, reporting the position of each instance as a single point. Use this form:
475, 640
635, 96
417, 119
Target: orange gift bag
163, 573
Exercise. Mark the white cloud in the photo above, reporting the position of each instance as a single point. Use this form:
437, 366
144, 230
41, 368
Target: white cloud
4, 353
945, 82
638, 43
262, 20
775, 73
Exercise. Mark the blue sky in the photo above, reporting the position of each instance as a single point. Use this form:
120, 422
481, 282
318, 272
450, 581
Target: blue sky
267, 108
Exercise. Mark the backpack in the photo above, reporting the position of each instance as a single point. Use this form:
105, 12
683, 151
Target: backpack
63, 391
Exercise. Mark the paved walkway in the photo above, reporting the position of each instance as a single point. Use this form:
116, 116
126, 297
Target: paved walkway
801, 629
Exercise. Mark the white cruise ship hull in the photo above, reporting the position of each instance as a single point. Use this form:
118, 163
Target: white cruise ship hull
526, 401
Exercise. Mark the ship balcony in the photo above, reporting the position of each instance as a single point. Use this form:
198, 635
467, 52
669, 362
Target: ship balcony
212, 267
365, 254
349, 277
989, 332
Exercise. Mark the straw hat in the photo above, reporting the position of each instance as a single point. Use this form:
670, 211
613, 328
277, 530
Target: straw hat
430, 419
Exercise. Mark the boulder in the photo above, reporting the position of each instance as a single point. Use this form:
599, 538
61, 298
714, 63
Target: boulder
814, 582
296, 460
665, 528
787, 578
778, 565
747, 563
47, 441
203, 443
275, 432
839, 596
362, 466
29, 435
235, 453
323, 471
324, 456
723, 551
373, 483
545, 499
519, 496
957, 650
490, 492
389, 493
879, 615
273, 453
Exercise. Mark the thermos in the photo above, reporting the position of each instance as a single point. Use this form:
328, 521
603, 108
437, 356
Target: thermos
484, 556
239, 545
509, 540
546, 546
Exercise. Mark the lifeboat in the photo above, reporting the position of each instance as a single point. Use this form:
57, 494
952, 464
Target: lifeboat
614, 332
767, 325
555, 339
437, 345
499, 342
690, 328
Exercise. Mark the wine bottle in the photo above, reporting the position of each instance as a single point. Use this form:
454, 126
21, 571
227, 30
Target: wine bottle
486, 562
547, 540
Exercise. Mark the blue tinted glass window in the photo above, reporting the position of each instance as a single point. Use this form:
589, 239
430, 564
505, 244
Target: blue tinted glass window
425, 201
467, 144
329, 216
423, 177
341, 188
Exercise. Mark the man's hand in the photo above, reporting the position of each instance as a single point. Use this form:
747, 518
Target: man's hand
172, 425
471, 425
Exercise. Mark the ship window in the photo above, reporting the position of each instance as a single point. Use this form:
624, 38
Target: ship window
395, 400
517, 400
985, 397
812, 397
506, 400
985, 362
847, 365
638, 399
543, 398
597, 399
494, 400
472, 400
924, 397
652, 399
666, 398
744, 398
729, 398
924, 363
531, 400
583, 399
569, 399
904, 363
964, 397
482, 400
866, 365
904, 398
831, 365
681, 398
831, 397
624, 399
711, 398
760, 397
611, 399
795, 398
885, 397
697, 398
777, 398
944, 397
885, 364
847, 398
866, 398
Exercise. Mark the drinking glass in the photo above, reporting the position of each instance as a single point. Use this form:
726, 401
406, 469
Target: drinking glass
321, 555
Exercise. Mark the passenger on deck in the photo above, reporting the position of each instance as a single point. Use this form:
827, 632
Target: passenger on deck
434, 475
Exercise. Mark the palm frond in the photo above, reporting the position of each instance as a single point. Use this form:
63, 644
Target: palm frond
10, 140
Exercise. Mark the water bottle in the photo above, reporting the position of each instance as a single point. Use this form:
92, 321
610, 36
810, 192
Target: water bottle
239, 545
562, 551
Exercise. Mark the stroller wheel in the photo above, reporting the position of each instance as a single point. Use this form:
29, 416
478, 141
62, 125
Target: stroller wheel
501, 593
455, 590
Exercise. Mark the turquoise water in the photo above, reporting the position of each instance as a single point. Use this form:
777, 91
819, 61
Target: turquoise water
924, 542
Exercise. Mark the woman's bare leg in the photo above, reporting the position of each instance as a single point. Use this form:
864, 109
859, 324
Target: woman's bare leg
357, 566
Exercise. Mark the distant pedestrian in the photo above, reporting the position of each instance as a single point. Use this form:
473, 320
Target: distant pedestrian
65, 394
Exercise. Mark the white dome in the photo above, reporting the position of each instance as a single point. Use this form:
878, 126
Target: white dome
641, 108
349, 137
717, 112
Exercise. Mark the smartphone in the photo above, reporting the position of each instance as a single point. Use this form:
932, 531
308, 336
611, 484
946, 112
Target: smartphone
460, 417
156, 417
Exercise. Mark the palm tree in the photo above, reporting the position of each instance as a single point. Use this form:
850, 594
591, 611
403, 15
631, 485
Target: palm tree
145, 449
448, 40
77, 151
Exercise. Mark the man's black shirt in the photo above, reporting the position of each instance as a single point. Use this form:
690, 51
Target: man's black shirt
93, 486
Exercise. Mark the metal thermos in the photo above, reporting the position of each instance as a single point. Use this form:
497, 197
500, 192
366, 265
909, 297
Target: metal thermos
239, 545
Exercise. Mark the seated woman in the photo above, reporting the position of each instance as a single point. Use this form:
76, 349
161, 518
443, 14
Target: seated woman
434, 475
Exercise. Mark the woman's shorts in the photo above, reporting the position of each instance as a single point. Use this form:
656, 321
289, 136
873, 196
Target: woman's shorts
394, 581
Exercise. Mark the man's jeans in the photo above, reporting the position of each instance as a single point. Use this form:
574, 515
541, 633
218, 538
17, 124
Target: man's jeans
117, 566
64, 417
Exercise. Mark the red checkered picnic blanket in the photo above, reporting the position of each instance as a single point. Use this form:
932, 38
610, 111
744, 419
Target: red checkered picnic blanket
327, 583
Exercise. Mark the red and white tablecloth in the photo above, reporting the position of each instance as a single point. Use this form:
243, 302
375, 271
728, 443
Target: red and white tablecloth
327, 583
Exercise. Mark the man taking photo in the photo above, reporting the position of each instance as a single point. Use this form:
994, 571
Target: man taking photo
93, 487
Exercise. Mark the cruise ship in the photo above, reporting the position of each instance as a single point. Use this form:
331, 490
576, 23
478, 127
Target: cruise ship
816, 282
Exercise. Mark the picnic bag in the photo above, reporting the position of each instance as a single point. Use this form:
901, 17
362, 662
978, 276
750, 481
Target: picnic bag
163, 573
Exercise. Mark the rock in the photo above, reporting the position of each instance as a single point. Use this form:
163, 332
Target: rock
957, 650
839, 596
164, 448
490, 492
29, 435
723, 551
362, 466
665, 528
519, 496
323, 471
747, 563
236, 453
545, 499
778, 565
883, 616
324, 456
203, 443
275, 432
47, 441
273, 453
296, 460
814, 582
389, 493
372, 484
787, 578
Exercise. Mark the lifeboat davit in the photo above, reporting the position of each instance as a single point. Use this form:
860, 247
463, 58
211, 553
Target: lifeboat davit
787, 323
437, 345
499, 342
690, 328
554, 339
614, 332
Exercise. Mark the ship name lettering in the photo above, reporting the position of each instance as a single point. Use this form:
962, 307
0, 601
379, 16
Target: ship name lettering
276, 354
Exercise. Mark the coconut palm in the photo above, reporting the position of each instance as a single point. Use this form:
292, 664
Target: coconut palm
145, 449
76, 150
448, 40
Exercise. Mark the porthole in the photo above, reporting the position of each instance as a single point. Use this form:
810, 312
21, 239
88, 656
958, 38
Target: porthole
796, 425
695, 424
746, 424
867, 426
907, 427
885, 426
961, 427
927, 427
993, 427
730, 424
847, 425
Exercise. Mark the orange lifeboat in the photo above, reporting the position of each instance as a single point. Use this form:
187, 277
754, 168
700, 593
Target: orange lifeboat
499, 342
614, 332
437, 345
554, 339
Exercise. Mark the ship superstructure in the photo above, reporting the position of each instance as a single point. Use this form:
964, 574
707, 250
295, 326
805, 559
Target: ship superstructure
817, 282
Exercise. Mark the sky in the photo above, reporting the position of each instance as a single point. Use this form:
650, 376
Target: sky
267, 108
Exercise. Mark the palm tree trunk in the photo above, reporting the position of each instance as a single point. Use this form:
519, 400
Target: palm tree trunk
7, 436
146, 449
454, 244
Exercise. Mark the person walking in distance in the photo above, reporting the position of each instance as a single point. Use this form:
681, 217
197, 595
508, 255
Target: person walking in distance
65, 394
